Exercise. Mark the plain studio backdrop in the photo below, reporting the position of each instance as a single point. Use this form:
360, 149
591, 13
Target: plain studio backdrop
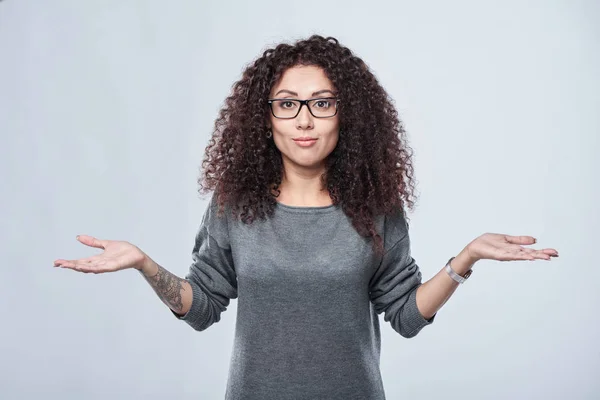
106, 108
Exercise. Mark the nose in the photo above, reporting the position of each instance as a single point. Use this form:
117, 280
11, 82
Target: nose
304, 119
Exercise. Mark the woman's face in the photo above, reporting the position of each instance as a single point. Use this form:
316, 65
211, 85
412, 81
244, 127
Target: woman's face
304, 82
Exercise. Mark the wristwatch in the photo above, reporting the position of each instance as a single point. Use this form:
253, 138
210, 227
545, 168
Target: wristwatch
454, 275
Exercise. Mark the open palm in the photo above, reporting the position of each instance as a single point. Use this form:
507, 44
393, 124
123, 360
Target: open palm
117, 255
495, 246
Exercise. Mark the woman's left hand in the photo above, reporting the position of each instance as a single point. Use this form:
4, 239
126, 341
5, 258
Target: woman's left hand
494, 246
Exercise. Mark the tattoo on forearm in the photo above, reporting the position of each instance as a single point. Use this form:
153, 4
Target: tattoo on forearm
168, 287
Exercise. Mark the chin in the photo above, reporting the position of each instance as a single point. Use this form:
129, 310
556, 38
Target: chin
308, 162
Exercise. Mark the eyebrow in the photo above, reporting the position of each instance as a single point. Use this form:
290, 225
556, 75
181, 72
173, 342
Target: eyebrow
314, 94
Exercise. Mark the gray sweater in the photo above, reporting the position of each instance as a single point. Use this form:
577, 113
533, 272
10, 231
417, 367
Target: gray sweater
309, 292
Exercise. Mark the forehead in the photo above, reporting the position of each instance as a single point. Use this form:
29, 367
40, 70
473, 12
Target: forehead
303, 80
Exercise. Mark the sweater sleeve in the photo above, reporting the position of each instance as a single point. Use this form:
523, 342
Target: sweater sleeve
393, 286
212, 274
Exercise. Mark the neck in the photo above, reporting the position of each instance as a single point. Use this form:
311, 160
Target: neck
303, 188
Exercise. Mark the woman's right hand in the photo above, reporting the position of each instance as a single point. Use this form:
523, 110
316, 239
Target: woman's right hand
117, 255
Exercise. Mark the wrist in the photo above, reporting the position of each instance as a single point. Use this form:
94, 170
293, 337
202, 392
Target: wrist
463, 262
146, 266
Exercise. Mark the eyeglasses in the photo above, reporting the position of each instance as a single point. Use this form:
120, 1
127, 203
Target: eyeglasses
323, 107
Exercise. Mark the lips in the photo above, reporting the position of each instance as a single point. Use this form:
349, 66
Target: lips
305, 142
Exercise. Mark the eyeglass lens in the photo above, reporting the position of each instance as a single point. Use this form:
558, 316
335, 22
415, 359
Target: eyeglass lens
285, 108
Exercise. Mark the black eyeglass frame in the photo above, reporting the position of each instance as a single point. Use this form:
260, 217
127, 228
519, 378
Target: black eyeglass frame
302, 103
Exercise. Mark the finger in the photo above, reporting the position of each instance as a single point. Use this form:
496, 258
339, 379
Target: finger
95, 266
80, 267
60, 261
539, 255
92, 241
550, 252
518, 253
523, 240
544, 253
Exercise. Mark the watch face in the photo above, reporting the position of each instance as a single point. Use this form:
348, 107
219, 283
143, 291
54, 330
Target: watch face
468, 274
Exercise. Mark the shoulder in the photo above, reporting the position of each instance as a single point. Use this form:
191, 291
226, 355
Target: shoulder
394, 227
215, 222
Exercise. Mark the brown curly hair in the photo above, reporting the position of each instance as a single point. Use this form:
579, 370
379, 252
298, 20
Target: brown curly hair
370, 171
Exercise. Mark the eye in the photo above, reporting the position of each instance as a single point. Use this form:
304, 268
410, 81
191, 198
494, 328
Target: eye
287, 104
322, 104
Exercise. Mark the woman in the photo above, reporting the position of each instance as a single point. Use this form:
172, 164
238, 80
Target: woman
310, 173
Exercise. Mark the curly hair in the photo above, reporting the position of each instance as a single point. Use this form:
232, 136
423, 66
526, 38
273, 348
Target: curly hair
370, 171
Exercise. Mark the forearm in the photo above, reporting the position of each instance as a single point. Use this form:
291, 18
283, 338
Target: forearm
175, 292
434, 293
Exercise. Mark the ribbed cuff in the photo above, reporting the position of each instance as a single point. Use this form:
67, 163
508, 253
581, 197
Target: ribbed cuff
196, 315
412, 319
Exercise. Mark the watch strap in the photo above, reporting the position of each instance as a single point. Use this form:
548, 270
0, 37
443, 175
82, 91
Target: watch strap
456, 277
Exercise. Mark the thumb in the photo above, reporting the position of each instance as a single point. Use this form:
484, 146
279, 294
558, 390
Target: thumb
521, 239
91, 241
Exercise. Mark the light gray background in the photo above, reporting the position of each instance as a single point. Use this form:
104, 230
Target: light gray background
105, 110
